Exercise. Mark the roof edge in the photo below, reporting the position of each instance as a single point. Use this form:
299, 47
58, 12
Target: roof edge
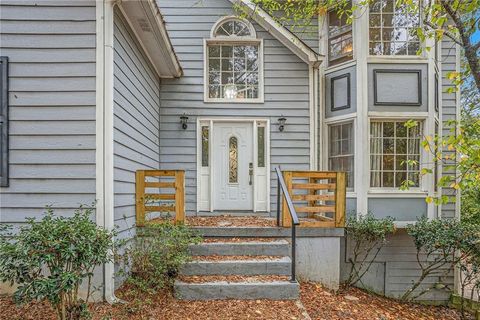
282, 34
146, 21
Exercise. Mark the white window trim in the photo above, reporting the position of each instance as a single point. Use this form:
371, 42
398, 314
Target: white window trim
233, 41
421, 190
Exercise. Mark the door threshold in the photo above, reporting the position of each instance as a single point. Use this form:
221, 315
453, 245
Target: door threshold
232, 213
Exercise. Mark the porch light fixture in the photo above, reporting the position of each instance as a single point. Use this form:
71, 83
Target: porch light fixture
281, 123
183, 121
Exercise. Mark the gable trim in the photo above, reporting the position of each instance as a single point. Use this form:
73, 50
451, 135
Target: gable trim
282, 34
146, 22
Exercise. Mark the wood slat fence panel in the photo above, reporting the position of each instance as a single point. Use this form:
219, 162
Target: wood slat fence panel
320, 196
172, 190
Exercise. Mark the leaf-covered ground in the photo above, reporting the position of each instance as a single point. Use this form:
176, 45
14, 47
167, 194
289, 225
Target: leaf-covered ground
316, 301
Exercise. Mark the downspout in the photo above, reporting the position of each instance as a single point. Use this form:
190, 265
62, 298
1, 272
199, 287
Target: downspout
104, 132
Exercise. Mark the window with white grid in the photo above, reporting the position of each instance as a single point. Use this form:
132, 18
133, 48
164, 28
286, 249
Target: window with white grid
394, 154
393, 28
341, 150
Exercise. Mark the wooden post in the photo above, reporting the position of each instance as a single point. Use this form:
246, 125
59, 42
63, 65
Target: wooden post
140, 197
180, 196
286, 218
340, 200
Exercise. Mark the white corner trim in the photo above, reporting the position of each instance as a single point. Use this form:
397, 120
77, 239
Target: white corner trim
282, 34
104, 130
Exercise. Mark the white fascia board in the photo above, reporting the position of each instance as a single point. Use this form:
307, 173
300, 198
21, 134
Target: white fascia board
282, 34
147, 23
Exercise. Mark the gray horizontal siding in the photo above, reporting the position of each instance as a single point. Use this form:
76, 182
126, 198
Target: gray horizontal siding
449, 111
136, 121
286, 93
51, 48
396, 268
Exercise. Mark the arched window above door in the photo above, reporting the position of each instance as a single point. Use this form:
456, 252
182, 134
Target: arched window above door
233, 66
233, 27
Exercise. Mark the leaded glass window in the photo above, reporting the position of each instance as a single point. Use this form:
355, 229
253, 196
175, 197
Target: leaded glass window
233, 160
261, 146
393, 28
205, 142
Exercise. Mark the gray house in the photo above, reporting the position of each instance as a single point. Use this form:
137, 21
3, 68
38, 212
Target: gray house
93, 91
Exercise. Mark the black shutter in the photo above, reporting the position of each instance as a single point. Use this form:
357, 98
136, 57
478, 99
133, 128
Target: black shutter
3, 121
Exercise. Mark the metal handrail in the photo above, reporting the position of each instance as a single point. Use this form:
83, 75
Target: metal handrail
293, 214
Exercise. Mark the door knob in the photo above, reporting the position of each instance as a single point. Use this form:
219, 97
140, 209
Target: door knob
250, 173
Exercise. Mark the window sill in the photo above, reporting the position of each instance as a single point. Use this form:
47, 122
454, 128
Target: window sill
340, 66
257, 101
386, 193
392, 58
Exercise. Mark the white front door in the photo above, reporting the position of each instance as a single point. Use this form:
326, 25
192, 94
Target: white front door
232, 166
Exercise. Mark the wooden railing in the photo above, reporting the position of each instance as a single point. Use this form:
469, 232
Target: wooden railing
319, 198
160, 191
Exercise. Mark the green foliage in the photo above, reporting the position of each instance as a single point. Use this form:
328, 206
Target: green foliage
368, 235
153, 259
50, 259
440, 245
471, 206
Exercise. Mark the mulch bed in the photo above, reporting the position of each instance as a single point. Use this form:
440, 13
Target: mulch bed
232, 278
320, 304
231, 221
234, 258
238, 240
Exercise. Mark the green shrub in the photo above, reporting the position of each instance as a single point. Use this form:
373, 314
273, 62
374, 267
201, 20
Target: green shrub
51, 258
369, 235
441, 244
158, 251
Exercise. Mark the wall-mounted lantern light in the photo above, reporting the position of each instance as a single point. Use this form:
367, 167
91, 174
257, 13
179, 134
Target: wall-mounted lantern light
281, 123
183, 121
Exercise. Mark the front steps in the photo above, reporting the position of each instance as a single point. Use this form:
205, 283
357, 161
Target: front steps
240, 269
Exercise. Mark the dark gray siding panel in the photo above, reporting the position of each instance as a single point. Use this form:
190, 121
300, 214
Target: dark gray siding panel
51, 51
349, 73
286, 93
396, 90
403, 209
136, 121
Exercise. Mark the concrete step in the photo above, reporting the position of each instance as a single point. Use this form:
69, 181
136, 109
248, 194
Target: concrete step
251, 248
266, 232
275, 290
254, 266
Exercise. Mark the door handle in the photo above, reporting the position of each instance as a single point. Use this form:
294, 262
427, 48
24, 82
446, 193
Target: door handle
250, 173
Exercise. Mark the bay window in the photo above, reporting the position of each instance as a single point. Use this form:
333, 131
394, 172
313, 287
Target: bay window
341, 150
393, 29
394, 154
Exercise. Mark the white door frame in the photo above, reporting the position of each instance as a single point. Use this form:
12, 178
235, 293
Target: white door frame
209, 121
